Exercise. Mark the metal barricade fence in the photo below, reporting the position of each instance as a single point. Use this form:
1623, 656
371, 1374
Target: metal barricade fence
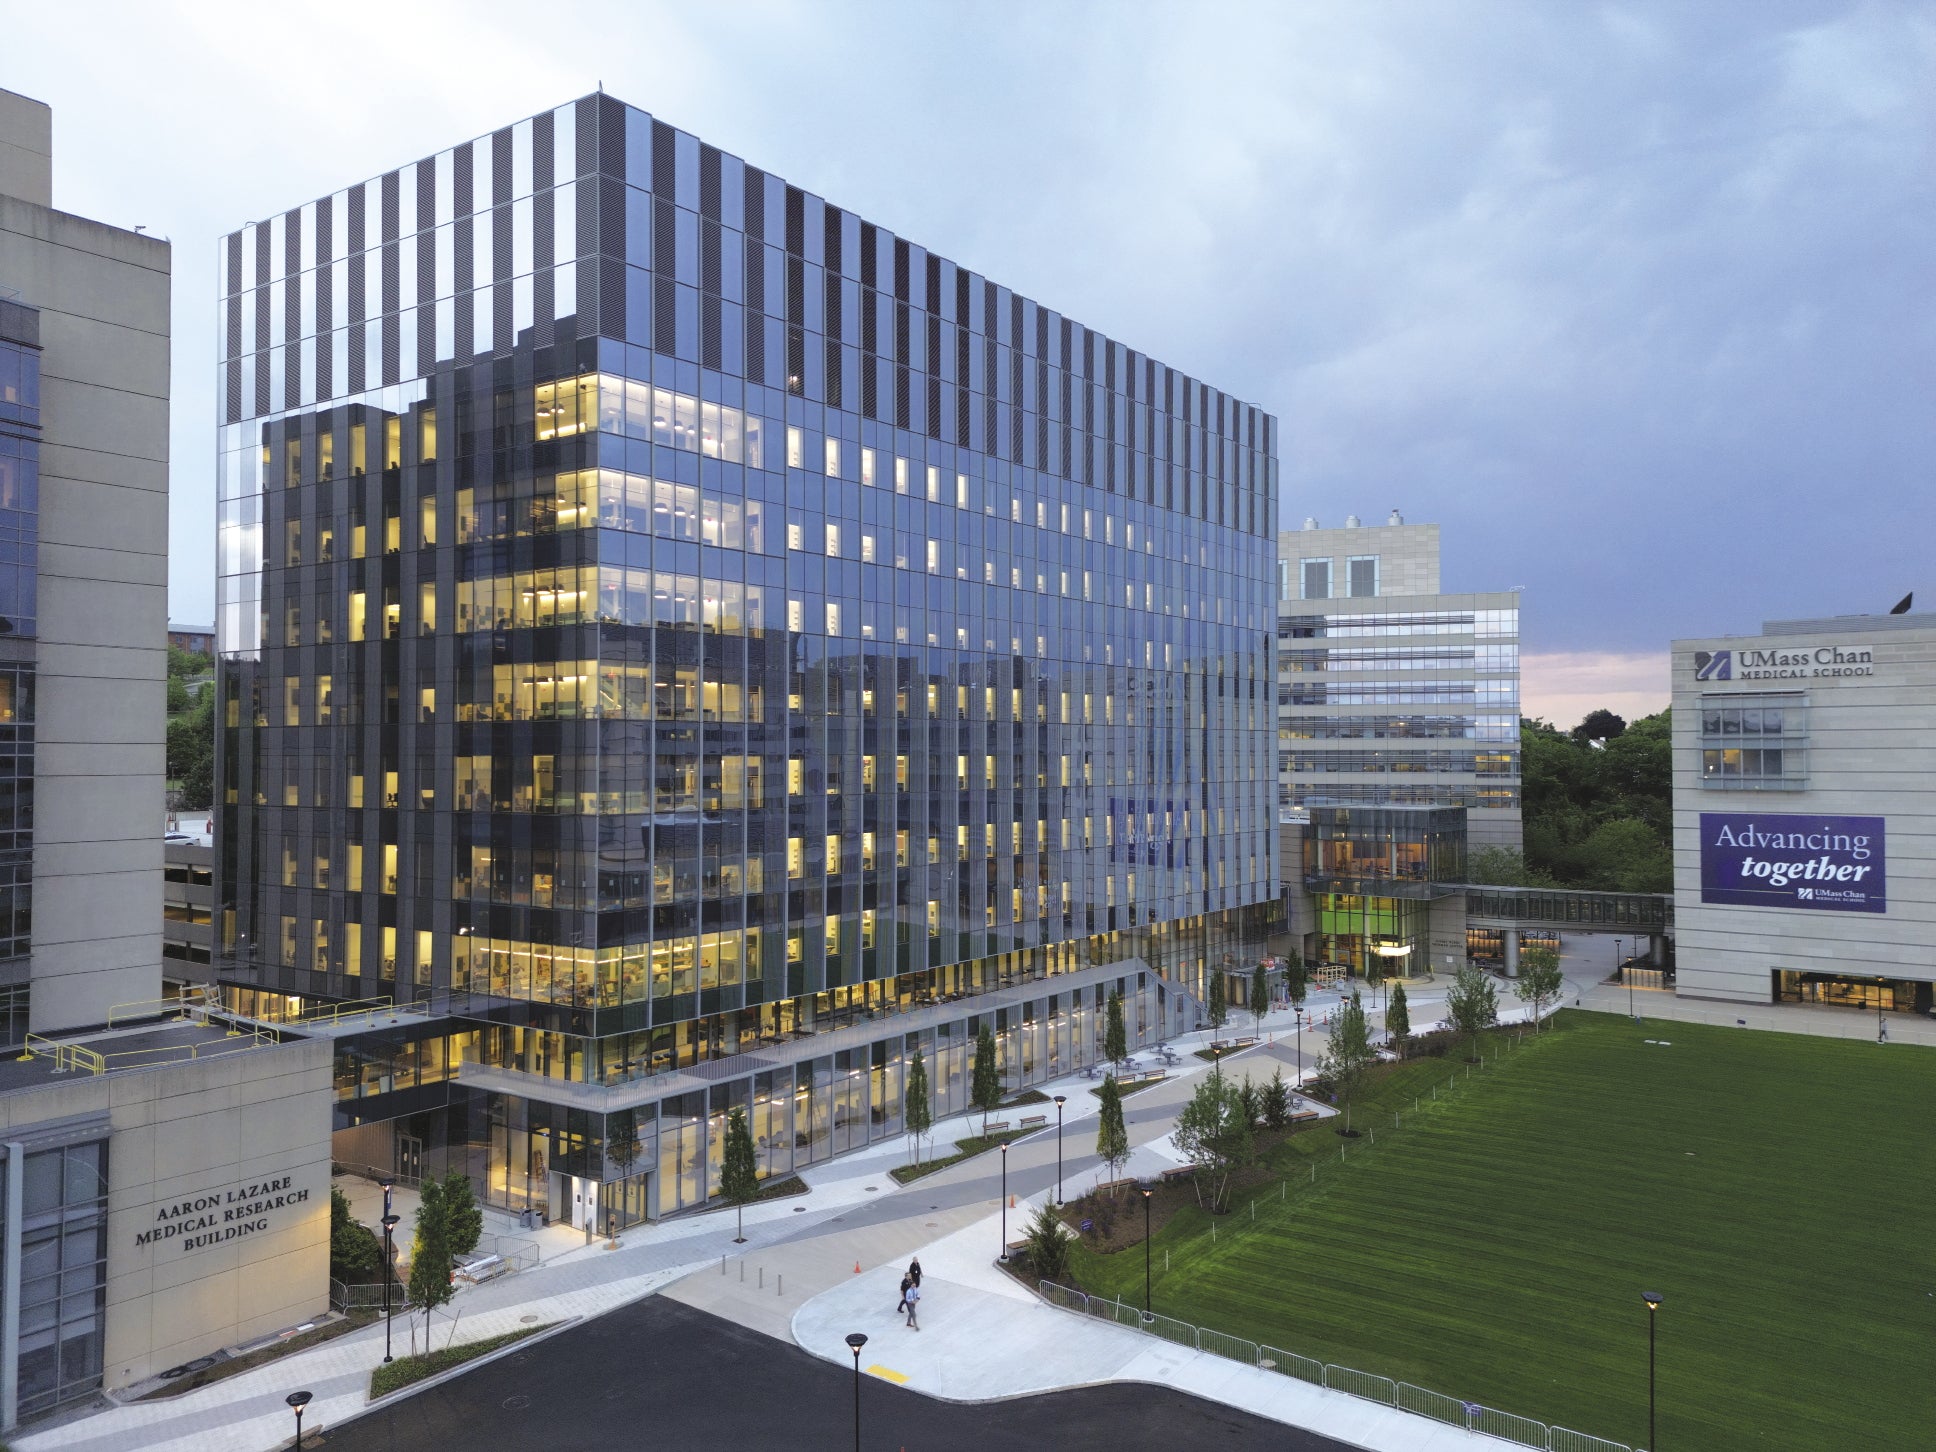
1507, 1427
1182, 1333
1436, 1405
1289, 1363
1404, 1396
1369, 1385
1222, 1344
367, 1297
1563, 1439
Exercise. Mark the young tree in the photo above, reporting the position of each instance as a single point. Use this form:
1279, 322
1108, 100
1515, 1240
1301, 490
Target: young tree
355, 1254
1398, 1020
1112, 1135
464, 1220
1277, 1102
1251, 1098
1047, 1240
1218, 1008
430, 1285
1540, 981
1213, 1133
622, 1139
1472, 1004
1115, 1038
917, 1109
739, 1170
1260, 995
1297, 981
985, 1083
1348, 1054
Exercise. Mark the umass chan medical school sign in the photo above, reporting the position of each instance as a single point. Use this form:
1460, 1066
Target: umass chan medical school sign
1827, 864
1810, 663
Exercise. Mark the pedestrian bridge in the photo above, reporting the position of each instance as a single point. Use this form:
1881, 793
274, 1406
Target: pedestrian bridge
1564, 910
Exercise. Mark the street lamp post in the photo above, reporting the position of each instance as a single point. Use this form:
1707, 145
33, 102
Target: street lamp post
298, 1400
1652, 1298
389, 1274
1148, 1313
1003, 1257
856, 1340
1058, 1147
1879, 1033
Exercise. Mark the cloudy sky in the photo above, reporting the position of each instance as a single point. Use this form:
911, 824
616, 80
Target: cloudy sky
1632, 298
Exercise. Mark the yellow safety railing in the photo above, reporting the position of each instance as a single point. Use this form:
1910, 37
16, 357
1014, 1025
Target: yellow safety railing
349, 1008
67, 1057
194, 1000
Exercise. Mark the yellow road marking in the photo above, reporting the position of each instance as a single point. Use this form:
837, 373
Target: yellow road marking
898, 1378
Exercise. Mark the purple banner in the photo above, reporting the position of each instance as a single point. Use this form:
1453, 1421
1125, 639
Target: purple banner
1828, 864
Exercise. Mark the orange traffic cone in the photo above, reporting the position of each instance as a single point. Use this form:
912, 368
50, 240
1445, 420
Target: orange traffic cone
856, 1267
1011, 1202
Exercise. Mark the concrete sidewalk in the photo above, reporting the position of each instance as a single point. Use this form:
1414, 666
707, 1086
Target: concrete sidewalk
1786, 1018
984, 1337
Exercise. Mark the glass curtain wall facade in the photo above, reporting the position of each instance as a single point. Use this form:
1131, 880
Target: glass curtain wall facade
666, 619
19, 625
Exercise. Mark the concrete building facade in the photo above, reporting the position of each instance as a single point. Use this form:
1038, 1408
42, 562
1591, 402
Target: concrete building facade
1805, 813
83, 640
163, 1176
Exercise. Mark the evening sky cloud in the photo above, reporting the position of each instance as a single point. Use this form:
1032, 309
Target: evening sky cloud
1631, 298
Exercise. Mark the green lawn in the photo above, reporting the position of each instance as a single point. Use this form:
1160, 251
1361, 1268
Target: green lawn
1777, 1190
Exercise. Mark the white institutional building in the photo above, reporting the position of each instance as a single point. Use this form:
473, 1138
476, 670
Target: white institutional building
1805, 813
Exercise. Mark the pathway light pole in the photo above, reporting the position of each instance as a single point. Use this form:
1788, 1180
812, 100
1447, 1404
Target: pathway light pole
1652, 1298
1058, 1147
1879, 982
389, 1274
856, 1340
1003, 1257
1148, 1314
297, 1400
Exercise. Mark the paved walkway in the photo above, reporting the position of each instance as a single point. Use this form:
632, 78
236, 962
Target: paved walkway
1787, 1018
795, 1275
983, 1337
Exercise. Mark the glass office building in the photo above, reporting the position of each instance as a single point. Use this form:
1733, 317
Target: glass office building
1398, 734
699, 649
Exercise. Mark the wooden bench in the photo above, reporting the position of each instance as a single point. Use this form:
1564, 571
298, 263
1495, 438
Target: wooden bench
1181, 1172
999, 1126
1110, 1187
1034, 1121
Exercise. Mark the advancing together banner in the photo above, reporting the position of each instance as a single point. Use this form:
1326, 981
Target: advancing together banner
1757, 859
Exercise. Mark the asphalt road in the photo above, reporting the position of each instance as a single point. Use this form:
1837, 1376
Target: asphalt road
657, 1374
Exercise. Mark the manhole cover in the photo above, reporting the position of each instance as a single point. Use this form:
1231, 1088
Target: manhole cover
872, 1188
527, 1320
517, 1403
799, 1209
932, 1223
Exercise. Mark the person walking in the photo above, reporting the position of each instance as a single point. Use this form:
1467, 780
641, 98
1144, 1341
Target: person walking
907, 1284
914, 1306
914, 1270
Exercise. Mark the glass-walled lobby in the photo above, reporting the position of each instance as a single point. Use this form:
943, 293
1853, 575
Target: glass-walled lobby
1393, 844
639, 1162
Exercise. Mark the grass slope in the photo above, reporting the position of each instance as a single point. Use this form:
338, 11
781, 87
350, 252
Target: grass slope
1775, 1189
